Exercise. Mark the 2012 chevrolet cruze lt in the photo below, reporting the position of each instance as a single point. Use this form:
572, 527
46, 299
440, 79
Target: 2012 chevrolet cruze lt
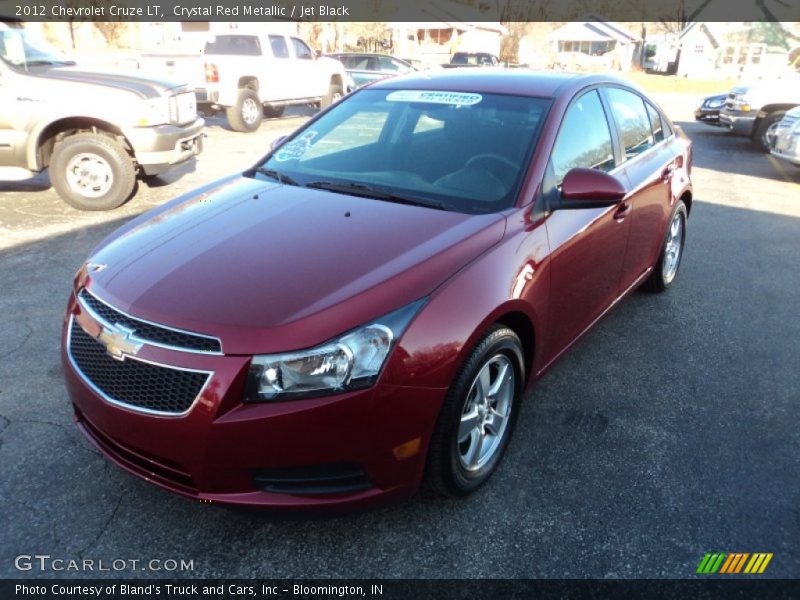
365, 307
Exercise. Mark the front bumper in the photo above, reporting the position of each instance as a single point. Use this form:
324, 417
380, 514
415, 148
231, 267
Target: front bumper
158, 149
738, 123
214, 452
787, 148
707, 115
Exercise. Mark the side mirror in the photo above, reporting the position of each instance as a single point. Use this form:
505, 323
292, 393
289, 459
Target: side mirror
277, 142
589, 188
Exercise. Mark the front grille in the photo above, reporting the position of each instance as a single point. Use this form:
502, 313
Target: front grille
323, 479
150, 332
133, 383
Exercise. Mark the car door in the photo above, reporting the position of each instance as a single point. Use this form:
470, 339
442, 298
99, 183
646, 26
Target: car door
649, 164
15, 115
587, 245
281, 84
305, 70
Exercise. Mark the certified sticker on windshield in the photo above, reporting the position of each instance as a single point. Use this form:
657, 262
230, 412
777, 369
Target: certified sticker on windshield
433, 97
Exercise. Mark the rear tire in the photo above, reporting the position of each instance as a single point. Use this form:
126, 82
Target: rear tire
92, 171
333, 96
669, 259
246, 115
482, 404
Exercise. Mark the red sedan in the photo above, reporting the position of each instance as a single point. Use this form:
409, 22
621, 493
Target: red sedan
365, 307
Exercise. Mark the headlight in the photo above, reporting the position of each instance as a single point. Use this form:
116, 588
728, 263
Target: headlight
349, 362
155, 112
742, 103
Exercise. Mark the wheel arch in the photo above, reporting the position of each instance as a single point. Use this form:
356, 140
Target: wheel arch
42, 141
249, 82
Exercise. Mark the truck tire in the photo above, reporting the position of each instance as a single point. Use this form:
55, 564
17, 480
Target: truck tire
273, 112
762, 129
332, 97
246, 115
92, 171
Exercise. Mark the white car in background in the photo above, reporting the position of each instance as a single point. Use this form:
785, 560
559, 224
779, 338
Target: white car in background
785, 142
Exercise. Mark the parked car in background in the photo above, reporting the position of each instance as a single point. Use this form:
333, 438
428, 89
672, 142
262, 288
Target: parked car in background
366, 68
365, 306
708, 109
95, 132
755, 110
250, 76
785, 139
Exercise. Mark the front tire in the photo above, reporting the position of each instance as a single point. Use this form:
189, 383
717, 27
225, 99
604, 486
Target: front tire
92, 171
246, 115
669, 259
764, 130
478, 415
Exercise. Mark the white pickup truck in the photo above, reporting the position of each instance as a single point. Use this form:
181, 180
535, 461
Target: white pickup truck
251, 76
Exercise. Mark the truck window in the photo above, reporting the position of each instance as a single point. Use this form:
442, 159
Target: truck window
301, 50
242, 45
279, 47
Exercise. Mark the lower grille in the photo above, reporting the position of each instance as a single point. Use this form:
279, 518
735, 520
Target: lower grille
133, 383
330, 478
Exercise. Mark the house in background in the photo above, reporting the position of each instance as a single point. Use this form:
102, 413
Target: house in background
736, 50
595, 44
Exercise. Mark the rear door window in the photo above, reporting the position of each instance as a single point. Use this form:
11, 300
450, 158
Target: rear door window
656, 124
632, 120
279, 47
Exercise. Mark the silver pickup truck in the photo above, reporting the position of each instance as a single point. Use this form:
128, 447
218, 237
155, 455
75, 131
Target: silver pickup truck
95, 132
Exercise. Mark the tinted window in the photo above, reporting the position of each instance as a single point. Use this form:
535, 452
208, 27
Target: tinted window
631, 117
245, 45
301, 50
584, 139
655, 123
279, 47
468, 151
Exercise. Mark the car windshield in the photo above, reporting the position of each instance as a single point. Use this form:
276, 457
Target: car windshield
18, 48
463, 152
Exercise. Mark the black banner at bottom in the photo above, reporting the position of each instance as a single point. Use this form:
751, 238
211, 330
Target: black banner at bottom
394, 589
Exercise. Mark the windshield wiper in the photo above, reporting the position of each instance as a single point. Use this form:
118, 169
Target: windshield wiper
367, 191
276, 175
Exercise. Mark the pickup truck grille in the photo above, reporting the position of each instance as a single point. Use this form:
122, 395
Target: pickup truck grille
183, 108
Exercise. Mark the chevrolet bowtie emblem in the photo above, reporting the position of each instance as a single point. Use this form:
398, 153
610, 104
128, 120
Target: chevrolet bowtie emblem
118, 342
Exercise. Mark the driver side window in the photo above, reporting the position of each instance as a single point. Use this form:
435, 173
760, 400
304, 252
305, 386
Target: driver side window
584, 139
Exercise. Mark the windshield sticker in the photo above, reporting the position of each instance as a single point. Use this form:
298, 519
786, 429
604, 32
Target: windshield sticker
295, 149
432, 97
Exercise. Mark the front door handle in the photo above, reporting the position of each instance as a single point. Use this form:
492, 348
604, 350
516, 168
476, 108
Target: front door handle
666, 174
623, 210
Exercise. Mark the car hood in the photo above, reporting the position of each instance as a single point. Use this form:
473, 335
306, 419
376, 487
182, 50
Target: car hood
143, 87
268, 267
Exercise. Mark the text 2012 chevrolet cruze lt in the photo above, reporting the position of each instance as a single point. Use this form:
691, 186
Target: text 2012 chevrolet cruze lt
365, 307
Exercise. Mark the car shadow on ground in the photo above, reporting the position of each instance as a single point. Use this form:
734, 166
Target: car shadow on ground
219, 121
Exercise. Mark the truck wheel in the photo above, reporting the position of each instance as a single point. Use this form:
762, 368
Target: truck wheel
273, 112
765, 129
92, 171
333, 96
246, 115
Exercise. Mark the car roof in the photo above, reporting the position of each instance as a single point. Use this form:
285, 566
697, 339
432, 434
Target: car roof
519, 82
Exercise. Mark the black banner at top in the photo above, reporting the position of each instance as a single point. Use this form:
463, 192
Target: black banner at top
454, 11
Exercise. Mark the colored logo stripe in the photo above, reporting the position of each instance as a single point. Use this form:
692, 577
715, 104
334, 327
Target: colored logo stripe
732, 563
